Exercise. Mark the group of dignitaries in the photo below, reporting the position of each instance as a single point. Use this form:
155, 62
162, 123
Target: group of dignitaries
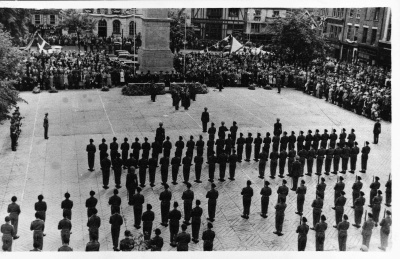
309, 147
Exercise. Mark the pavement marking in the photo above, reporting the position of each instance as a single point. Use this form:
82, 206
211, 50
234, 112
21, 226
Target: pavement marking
105, 111
30, 149
193, 119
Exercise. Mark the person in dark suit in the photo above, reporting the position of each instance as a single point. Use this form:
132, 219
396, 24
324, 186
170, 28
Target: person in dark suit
364, 157
208, 238
66, 205
115, 202
93, 224
205, 118
196, 214
137, 201
157, 242
174, 216
277, 128
125, 150
265, 193
183, 239
116, 222
279, 216
212, 196
105, 169
46, 126
247, 193
187, 197
148, 218
165, 198
91, 150
376, 131
91, 204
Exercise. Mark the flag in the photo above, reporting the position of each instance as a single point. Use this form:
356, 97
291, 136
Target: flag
30, 42
42, 44
235, 45
313, 23
204, 51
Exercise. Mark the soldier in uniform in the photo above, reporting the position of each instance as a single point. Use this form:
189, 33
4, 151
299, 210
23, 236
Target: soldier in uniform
374, 190
291, 159
210, 147
93, 224
125, 150
301, 193
46, 125
198, 163
152, 163
167, 146
127, 244
200, 146
240, 142
291, 140
351, 138
117, 166
208, 238
310, 160
211, 131
376, 207
339, 208
174, 217
113, 149
274, 163
320, 159
353, 157
324, 139
212, 196
66, 205
205, 118
385, 224
367, 230
212, 160
262, 164
136, 146
8, 233
41, 207
316, 139
222, 160
283, 191
232, 165
143, 164
91, 150
131, 163
388, 193
196, 214
65, 226
131, 183
65, 246
320, 229
148, 218
302, 158
105, 169
364, 157
247, 193
37, 226
157, 242
220, 146
190, 148
309, 139
317, 206
302, 238
249, 141
279, 215
221, 130
328, 161
342, 138
116, 221
183, 239
277, 128
282, 161
300, 141
228, 145
187, 162
296, 173
357, 186
342, 228
146, 149
160, 136
137, 201
345, 157
267, 142
332, 139
284, 141
14, 211
257, 146
275, 143
336, 158
164, 162
115, 202
359, 209
265, 193
165, 198
92, 246
175, 164
233, 129
376, 131
187, 197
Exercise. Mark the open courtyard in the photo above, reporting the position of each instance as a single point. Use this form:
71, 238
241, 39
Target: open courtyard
57, 165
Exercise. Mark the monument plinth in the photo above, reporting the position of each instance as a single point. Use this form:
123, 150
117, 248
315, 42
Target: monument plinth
155, 54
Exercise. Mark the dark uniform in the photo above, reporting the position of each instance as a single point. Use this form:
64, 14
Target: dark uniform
342, 228
131, 185
116, 221
291, 141
345, 158
91, 150
233, 158
212, 160
38, 227
358, 210
115, 202
205, 118
275, 143
324, 140
267, 142
262, 164
364, 158
321, 189
302, 238
316, 139
320, 160
233, 129
41, 208
220, 143
309, 139
301, 193
300, 142
212, 196
174, 217
167, 146
374, 190
147, 218
367, 231
66, 206
187, 162
200, 147
284, 142
137, 201
103, 150
279, 216
336, 159
328, 160
90, 205
265, 193
198, 163
332, 140
317, 206
282, 161
157, 243
113, 150
376, 207
65, 226
296, 173
105, 169
388, 193
247, 193
93, 224
210, 147
208, 238
183, 240
240, 142
8, 234
126, 244
143, 163
342, 139
175, 164
164, 162
146, 149
353, 158
190, 144
320, 229
310, 161
165, 198
274, 162
125, 150
339, 187
249, 141
92, 246
152, 163
222, 159
196, 214
351, 138
303, 155
187, 198
257, 146
357, 186
136, 147
211, 132
117, 166
339, 209
291, 156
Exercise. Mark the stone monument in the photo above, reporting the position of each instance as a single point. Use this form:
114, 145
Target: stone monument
154, 54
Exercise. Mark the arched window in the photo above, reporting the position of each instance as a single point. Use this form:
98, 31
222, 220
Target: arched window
132, 28
102, 31
117, 27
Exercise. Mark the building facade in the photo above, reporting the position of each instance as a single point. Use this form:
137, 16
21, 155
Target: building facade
46, 21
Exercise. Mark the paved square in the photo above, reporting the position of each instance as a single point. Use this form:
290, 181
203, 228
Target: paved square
52, 167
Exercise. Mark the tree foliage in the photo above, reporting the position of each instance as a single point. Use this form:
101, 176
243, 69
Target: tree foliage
295, 40
15, 21
177, 30
77, 21
10, 58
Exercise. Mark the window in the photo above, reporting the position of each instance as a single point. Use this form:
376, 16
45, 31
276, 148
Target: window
117, 27
37, 18
339, 36
257, 19
373, 36
52, 19
233, 12
358, 15
355, 33
132, 28
376, 13
275, 14
214, 12
364, 37
349, 32
334, 12
341, 12
255, 27
257, 12
351, 13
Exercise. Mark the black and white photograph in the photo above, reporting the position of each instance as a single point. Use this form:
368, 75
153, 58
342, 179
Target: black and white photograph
137, 127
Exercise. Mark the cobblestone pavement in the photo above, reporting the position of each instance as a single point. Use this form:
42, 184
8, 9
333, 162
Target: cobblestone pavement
52, 167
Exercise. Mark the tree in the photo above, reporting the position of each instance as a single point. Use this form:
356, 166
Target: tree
296, 41
10, 57
177, 30
77, 21
15, 20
